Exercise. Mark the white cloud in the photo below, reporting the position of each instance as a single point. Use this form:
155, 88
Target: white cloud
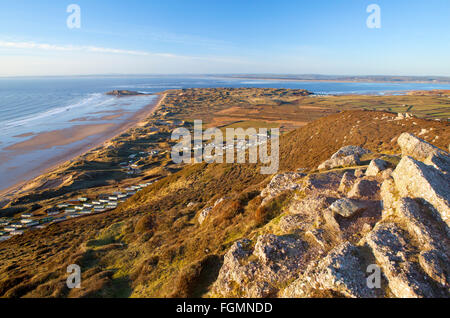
67, 48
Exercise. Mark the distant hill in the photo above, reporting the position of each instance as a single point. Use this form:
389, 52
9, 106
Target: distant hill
348, 78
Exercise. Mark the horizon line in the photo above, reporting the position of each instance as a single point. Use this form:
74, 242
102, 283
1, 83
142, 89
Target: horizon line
274, 75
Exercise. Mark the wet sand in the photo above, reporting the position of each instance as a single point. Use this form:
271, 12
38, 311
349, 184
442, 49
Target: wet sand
62, 137
24, 135
115, 115
98, 134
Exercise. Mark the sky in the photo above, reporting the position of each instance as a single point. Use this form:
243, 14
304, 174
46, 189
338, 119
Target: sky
233, 36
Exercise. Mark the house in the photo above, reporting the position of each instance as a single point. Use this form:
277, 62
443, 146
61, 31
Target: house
26, 221
87, 205
82, 199
62, 206
27, 215
61, 219
79, 207
34, 223
134, 172
69, 210
15, 233
46, 220
52, 210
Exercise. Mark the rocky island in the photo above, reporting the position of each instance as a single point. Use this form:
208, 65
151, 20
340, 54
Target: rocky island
123, 93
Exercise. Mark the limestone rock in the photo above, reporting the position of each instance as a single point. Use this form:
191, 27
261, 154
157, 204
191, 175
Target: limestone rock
388, 194
281, 183
359, 173
375, 167
350, 150
292, 222
348, 161
390, 250
340, 272
346, 207
415, 147
204, 214
259, 272
417, 180
386, 174
348, 179
364, 188
311, 204
401, 116
436, 267
423, 151
272, 249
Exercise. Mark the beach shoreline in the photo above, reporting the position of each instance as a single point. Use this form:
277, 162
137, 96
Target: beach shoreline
98, 137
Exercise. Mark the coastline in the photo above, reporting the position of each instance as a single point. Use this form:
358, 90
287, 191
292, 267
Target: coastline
99, 137
337, 80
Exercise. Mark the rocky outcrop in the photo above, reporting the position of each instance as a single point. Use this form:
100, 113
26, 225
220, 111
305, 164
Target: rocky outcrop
349, 151
375, 167
345, 157
204, 214
423, 151
417, 180
341, 224
281, 183
259, 271
348, 161
207, 211
339, 274
364, 188
391, 252
417, 148
121, 93
347, 207
347, 181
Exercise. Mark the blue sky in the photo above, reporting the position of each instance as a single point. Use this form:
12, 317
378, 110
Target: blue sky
233, 36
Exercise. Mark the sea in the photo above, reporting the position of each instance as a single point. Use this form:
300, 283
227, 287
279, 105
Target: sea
32, 105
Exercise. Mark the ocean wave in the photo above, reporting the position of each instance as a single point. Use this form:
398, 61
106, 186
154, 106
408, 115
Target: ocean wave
92, 99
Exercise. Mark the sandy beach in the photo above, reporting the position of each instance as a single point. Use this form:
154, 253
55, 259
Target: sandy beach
97, 134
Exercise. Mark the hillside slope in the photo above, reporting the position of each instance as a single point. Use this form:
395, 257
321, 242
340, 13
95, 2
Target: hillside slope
154, 246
